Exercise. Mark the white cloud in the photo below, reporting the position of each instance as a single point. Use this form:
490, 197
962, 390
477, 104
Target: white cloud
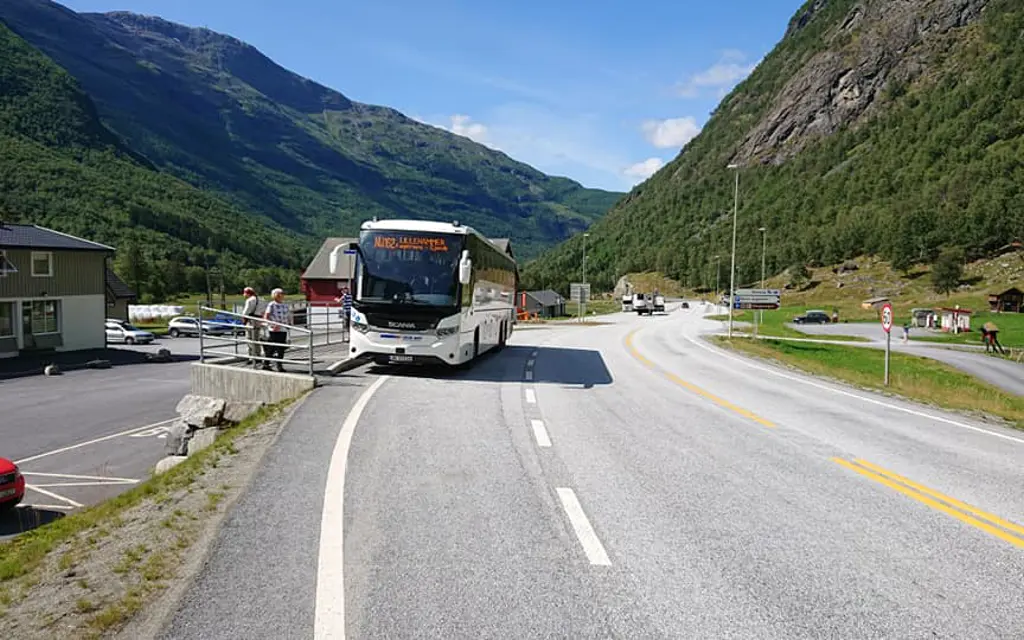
670, 133
643, 170
730, 69
464, 126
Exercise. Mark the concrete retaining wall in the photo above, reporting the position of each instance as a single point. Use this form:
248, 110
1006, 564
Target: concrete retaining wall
247, 385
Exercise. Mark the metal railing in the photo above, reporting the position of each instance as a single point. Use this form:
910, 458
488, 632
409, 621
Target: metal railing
248, 325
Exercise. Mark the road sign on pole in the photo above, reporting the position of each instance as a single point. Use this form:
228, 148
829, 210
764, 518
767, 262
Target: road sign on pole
887, 327
757, 299
580, 293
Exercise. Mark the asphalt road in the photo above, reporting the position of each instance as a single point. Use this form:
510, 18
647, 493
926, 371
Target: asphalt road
624, 480
88, 435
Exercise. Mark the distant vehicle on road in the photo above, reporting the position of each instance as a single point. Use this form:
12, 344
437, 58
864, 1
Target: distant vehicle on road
627, 302
685, 305
659, 303
121, 331
813, 317
428, 293
12, 485
642, 305
189, 326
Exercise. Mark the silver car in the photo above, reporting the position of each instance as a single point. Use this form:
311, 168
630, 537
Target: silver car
121, 331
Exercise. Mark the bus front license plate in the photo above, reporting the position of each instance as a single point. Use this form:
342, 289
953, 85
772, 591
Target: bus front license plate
401, 358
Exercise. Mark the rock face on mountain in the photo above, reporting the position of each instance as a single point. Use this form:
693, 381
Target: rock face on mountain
877, 45
884, 127
219, 114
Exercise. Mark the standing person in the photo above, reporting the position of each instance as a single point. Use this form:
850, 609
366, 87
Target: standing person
993, 337
252, 325
346, 311
906, 332
276, 315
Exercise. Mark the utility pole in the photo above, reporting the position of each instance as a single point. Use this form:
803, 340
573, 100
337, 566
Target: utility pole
583, 291
732, 272
718, 278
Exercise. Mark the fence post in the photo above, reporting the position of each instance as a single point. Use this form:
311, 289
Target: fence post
201, 349
310, 353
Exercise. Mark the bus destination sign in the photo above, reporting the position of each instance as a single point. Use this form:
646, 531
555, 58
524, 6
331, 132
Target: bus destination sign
410, 243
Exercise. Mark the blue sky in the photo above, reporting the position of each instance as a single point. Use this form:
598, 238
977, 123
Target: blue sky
601, 92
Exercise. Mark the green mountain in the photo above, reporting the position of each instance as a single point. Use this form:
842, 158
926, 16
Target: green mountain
216, 112
893, 129
60, 167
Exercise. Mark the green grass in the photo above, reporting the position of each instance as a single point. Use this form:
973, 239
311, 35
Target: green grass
1011, 331
913, 377
774, 324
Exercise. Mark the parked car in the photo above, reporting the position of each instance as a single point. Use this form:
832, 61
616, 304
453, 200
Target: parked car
228, 323
121, 331
12, 484
685, 305
189, 326
813, 317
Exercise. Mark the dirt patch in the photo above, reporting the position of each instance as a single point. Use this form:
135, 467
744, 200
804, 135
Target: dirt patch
121, 566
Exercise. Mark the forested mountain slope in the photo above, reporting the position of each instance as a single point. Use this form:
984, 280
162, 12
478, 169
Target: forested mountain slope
874, 127
216, 112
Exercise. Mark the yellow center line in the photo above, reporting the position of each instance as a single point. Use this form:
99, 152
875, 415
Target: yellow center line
963, 506
934, 504
722, 402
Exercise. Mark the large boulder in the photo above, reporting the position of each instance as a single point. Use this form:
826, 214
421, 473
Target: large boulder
178, 435
201, 438
201, 411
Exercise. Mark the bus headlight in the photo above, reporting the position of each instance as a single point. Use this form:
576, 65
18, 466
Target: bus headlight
359, 326
443, 332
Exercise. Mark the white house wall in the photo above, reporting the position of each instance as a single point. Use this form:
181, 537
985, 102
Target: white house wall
81, 322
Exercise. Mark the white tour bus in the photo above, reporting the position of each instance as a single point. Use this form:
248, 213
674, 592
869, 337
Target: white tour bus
428, 292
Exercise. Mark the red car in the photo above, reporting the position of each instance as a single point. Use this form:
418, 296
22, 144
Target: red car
12, 484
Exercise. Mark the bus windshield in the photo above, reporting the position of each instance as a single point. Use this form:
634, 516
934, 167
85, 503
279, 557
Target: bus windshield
409, 267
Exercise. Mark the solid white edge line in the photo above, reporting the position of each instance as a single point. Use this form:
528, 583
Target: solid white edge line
880, 403
89, 442
531, 397
529, 375
53, 495
540, 433
584, 532
329, 621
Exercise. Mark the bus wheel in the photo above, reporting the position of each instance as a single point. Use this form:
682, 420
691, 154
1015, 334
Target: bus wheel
501, 336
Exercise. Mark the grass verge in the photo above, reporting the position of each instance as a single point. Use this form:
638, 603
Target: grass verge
913, 377
774, 325
87, 574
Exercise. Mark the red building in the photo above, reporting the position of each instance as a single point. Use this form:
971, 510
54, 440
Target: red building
318, 283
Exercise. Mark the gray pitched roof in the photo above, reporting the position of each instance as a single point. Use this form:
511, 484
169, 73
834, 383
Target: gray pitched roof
117, 286
320, 266
546, 298
32, 236
504, 244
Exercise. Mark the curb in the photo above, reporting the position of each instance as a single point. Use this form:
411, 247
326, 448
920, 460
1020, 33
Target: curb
346, 365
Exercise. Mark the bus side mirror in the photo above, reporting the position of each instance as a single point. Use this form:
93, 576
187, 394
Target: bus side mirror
348, 247
465, 268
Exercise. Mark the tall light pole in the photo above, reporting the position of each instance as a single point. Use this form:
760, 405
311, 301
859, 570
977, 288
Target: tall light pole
718, 278
764, 252
583, 289
732, 272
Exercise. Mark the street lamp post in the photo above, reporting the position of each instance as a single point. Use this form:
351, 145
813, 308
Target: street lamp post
764, 249
583, 289
732, 271
718, 278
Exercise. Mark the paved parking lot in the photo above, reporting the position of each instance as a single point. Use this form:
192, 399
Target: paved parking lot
88, 435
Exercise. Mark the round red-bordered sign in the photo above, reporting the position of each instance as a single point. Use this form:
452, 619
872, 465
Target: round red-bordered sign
887, 317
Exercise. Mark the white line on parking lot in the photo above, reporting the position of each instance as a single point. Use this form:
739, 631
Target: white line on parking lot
89, 442
531, 397
45, 506
53, 495
540, 433
72, 476
584, 532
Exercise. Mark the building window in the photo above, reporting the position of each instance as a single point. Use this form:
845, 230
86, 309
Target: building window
6, 266
45, 316
6, 319
42, 264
